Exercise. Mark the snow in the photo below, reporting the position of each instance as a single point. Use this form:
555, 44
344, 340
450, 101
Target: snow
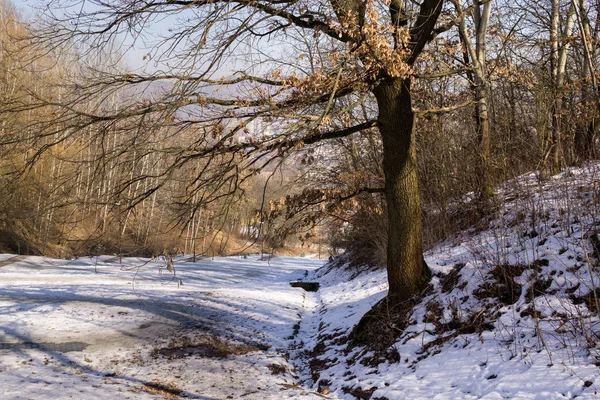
142, 328
510, 314
542, 344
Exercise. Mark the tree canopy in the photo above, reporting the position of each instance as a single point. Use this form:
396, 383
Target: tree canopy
351, 95
237, 86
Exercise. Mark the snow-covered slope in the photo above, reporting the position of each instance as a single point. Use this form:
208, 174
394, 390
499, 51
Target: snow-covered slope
512, 311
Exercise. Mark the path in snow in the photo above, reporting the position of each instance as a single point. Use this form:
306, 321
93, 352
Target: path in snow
306, 334
216, 329
11, 260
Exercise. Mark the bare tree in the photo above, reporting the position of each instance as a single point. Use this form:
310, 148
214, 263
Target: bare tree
366, 48
590, 94
474, 52
560, 44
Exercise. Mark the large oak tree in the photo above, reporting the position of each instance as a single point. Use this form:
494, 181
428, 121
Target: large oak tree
299, 69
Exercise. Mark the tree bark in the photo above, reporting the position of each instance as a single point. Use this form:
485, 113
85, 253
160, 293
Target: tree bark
476, 56
483, 135
557, 103
481, 14
406, 270
558, 68
585, 133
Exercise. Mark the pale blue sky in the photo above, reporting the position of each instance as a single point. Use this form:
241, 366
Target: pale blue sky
133, 53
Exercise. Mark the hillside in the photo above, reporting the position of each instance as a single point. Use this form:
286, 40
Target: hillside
512, 311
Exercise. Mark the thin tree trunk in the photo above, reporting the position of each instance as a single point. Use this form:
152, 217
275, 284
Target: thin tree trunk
558, 69
482, 13
585, 135
149, 221
476, 56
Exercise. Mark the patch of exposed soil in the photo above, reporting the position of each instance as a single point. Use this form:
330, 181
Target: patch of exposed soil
206, 346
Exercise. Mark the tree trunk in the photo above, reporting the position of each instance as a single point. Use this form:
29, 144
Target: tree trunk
558, 68
476, 56
584, 140
585, 134
407, 272
481, 16
556, 150
554, 69
483, 135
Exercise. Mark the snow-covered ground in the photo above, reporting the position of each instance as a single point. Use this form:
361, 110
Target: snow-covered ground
512, 313
93, 329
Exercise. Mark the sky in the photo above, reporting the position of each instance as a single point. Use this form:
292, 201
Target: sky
135, 52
